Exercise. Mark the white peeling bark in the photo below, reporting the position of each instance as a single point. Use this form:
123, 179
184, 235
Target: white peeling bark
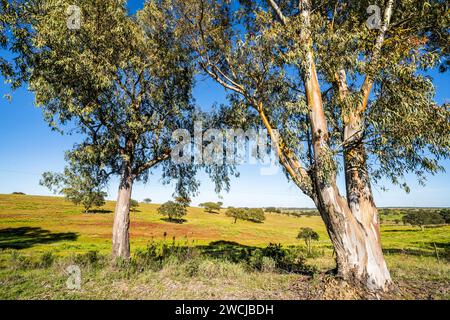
121, 237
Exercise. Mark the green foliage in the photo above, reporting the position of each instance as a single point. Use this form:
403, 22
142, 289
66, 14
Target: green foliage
422, 218
211, 207
134, 204
147, 200
123, 84
253, 215
79, 184
174, 210
263, 65
445, 213
308, 235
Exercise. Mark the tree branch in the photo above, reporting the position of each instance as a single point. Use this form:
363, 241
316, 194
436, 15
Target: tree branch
278, 11
368, 81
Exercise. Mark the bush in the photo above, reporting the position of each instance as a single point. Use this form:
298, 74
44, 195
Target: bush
47, 260
19, 261
90, 258
275, 257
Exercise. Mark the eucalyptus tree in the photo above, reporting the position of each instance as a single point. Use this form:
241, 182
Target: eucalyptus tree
346, 92
123, 83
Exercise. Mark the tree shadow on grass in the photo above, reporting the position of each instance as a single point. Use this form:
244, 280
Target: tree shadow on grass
443, 251
99, 211
227, 250
177, 221
26, 237
238, 253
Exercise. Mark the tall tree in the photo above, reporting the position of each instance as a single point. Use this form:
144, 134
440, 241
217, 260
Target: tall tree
122, 82
343, 89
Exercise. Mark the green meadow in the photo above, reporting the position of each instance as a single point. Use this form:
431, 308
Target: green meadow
41, 236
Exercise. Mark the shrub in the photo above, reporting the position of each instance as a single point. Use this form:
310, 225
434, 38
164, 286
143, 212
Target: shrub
46, 260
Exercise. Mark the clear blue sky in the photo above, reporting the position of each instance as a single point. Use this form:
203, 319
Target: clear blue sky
28, 148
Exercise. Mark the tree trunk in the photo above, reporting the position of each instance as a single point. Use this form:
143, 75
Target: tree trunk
357, 243
121, 237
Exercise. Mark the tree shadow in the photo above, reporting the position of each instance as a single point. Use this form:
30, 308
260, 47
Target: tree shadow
239, 253
177, 221
401, 230
227, 250
26, 237
99, 211
445, 254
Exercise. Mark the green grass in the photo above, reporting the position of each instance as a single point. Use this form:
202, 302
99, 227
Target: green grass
31, 226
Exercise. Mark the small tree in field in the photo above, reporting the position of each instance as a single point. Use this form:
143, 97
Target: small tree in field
80, 185
174, 210
236, 213
147, 200
256, 215
134, 204
211, 207
308, 235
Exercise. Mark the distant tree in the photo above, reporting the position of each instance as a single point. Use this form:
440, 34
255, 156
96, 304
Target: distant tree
174, 210
18, 193
271, 209
79, 184
147, 200
422, 218
211, 207
445, 214
308, 235
134, 204
236, 213
255, 215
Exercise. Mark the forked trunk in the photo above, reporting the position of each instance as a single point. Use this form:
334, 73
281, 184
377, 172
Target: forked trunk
121, 237
359, 257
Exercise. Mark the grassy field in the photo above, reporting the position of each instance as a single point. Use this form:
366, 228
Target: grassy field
31, 227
